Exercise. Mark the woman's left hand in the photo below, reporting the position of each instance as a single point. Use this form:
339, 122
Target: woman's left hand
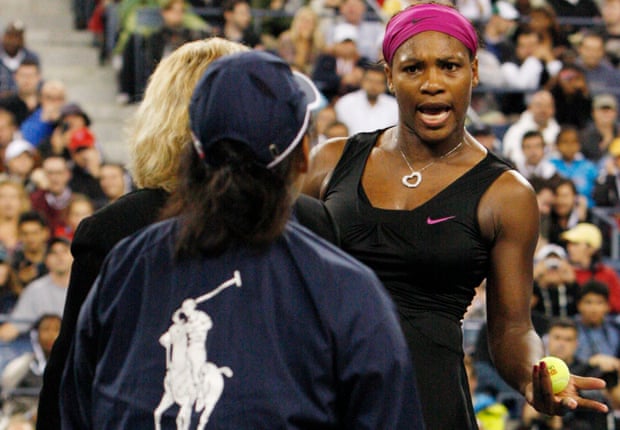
540, 394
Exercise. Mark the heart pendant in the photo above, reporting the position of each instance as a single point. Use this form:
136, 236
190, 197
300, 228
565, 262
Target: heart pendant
412, 180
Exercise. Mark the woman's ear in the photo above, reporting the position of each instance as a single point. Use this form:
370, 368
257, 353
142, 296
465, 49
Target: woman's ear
388, 76
475, 78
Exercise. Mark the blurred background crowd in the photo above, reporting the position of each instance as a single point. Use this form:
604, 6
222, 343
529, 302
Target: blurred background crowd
547, 103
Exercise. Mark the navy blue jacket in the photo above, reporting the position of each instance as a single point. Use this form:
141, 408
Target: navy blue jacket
296, 336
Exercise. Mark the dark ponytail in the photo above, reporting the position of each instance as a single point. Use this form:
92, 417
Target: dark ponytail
231, 199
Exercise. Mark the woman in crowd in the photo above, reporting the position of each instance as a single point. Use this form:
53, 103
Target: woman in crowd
544, 21
301, 45
434, 213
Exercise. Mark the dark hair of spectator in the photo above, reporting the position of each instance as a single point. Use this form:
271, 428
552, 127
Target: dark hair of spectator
230, 5
10, 115
564, 181
563, 322
525, 29
566, 128
29, 62
32, 216
533, 133
594, 287
540, 184
373, 67
45, 317
592, 33
231, 199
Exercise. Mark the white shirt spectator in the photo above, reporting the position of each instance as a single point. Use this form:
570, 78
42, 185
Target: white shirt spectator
511, 144
359, 114
545, 169
42, 296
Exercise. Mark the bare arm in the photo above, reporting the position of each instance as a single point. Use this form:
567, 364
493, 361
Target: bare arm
323, 160
509, 217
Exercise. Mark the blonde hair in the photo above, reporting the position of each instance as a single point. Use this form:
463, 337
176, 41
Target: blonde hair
318, 41
160, 128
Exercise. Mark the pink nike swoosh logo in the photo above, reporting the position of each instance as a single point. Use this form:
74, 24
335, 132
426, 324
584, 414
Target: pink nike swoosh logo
431, 221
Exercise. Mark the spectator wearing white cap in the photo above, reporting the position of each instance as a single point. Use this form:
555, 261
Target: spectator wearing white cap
19, 160
555, 289
584, 243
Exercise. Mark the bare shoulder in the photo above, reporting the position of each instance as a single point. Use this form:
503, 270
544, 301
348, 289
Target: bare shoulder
323, 160
509, 205
510, 185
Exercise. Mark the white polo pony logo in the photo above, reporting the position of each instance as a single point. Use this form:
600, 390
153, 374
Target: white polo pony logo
191, 381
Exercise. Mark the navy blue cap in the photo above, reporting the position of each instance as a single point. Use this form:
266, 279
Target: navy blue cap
255, 98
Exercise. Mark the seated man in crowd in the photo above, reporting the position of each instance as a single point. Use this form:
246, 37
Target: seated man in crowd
368, 108
12, 53
43, 296
29, 259
24, 100
40, 124
535, 163
53, 201
25, 372
599, 336
555, 289
539, 115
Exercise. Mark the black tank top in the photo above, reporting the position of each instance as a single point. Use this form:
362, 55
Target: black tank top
430, 258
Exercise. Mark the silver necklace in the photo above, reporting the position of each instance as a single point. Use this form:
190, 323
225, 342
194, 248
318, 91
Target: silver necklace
414, 179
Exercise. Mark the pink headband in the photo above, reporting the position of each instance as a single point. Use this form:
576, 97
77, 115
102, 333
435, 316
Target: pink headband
427, 17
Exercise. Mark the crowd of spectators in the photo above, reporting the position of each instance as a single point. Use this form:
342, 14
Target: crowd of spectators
547, 103
52, 175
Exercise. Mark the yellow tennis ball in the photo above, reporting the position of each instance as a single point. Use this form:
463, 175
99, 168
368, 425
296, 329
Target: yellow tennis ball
558, 370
